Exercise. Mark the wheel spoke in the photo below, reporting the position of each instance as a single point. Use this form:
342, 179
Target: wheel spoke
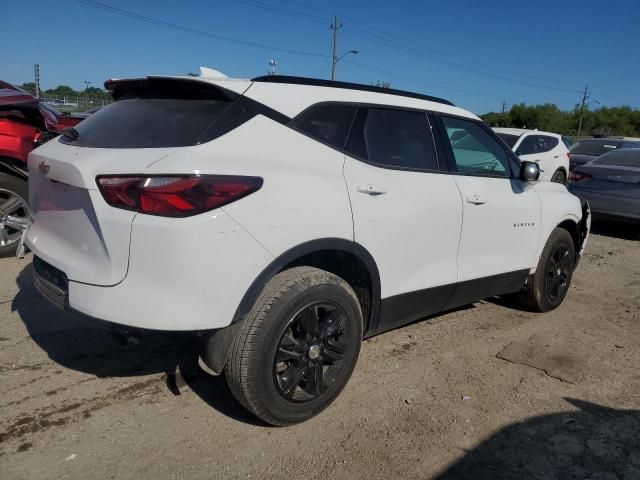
12, 204
565, 262
283, 354
17, 223
333, 326
333, 352
309, 322
314, 381
4, 236
290, 380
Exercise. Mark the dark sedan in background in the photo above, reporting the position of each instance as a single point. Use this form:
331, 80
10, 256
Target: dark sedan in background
611, 185
590, 148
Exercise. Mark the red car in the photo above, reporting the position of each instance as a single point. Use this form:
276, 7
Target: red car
25, 123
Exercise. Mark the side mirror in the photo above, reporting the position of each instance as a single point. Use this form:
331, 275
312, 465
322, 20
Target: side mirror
529, 171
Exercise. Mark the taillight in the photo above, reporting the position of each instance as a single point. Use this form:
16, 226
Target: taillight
174, 195
577, 176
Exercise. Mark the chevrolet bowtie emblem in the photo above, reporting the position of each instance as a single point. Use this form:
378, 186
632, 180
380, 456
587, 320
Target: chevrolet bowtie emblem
44, 167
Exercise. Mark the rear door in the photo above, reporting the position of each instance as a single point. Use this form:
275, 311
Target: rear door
407, 212
501, 217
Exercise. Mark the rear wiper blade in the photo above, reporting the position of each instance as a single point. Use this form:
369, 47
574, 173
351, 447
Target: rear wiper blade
70, 133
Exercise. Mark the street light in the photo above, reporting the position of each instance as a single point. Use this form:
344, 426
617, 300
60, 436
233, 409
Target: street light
337, 59
582, 107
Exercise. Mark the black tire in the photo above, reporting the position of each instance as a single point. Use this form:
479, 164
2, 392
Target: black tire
545, 290
11, 186
559, 177
274, 346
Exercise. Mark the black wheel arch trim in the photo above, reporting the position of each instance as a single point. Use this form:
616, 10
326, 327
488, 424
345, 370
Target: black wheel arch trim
299, 251
218, 342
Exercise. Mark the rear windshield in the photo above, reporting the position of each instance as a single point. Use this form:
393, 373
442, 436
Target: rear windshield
595, 148
145, 118
620, 158
509, 139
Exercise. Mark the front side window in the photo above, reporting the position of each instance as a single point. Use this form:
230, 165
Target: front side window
474, 151
393, 138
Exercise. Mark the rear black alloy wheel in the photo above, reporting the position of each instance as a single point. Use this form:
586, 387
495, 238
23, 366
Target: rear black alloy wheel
559, 272
297, 347
310, 354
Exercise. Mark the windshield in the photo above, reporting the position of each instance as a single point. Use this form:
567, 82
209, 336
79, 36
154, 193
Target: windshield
508, 138
594, 148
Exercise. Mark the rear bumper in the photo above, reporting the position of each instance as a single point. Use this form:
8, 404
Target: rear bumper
609, 205
183, 277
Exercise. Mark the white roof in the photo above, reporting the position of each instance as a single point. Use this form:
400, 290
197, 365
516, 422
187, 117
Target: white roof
522, 131
291, 98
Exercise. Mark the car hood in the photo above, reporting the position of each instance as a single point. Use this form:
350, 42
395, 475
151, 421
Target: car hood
10, 94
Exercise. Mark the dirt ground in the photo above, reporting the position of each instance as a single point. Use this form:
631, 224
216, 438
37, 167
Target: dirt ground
487, 391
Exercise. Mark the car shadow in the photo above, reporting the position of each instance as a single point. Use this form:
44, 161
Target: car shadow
78, 344
612, 228
593, 442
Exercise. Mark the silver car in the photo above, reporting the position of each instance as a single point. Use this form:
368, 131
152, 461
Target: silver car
611, 184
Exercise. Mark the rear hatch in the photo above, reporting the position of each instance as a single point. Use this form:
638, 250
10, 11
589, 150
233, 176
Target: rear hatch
73, 228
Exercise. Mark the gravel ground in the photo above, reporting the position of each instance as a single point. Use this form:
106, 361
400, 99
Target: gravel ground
486, 391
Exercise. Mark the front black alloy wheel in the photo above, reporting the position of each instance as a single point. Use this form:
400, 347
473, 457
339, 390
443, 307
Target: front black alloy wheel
547, 287
559, 271
297, 347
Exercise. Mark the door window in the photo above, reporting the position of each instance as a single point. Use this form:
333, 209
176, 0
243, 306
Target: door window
475, 152
537, 144
393, 138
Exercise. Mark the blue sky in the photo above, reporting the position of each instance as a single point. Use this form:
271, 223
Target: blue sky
475, 53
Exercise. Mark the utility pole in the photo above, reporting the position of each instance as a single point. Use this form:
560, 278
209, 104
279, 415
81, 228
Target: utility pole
273, 64
36, 75
336, 25
504, 106
582, 105
86, 85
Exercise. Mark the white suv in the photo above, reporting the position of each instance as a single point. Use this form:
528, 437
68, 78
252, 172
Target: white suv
549, 150
285, 219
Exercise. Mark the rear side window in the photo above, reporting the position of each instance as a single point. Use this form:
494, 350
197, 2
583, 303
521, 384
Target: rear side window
170, 117
567, 142
393, 138
327, 122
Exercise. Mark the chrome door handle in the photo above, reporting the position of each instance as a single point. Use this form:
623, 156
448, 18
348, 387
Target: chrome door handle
475, 200
371, 189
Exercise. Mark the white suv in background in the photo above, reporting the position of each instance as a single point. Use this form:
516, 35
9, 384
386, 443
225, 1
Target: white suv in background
549, 150
285, 219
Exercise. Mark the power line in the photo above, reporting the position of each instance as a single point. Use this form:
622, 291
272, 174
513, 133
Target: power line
412, 48
194, 31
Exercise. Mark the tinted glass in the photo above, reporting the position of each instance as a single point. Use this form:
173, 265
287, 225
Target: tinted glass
141, 122
620, 158
537, 144
594, 147
567, 142
393, 138
528, 146
508, 138
329, 122
475, 151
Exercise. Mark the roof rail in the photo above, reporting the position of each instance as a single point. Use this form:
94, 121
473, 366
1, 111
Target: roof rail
347, 85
